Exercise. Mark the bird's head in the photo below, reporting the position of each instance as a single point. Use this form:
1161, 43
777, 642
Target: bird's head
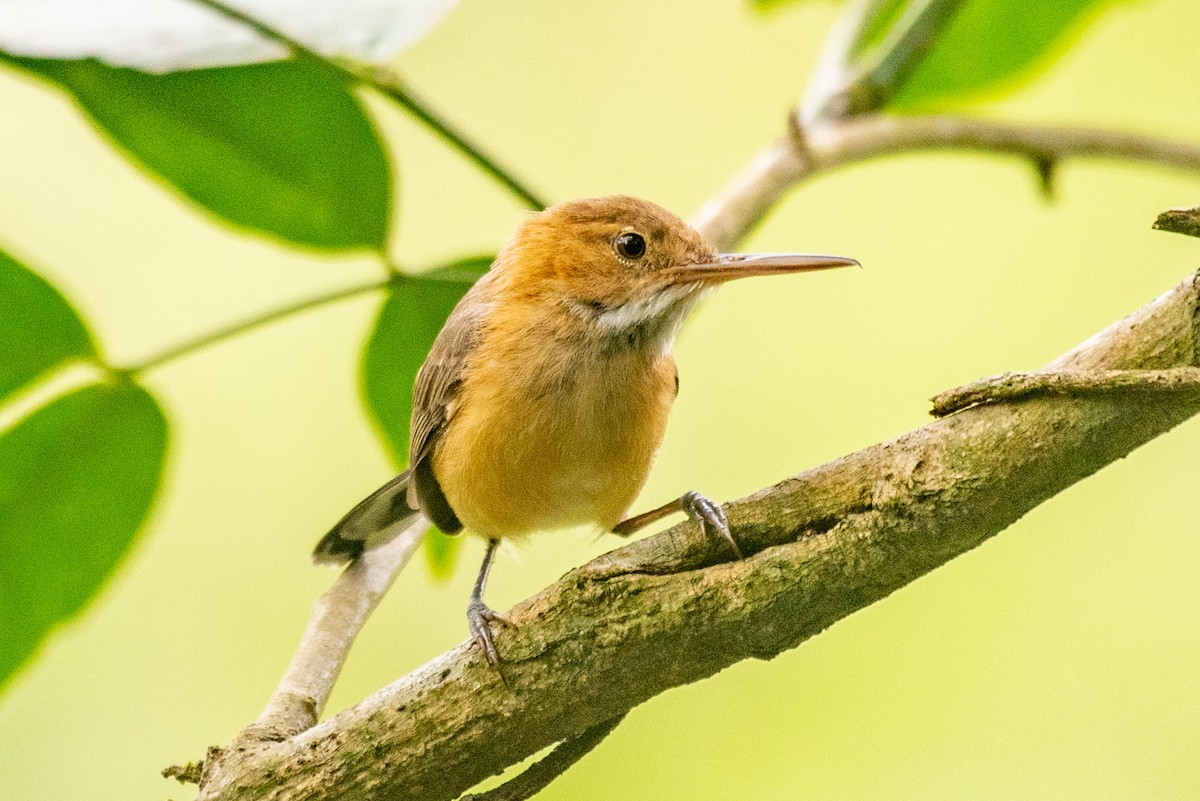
628, 267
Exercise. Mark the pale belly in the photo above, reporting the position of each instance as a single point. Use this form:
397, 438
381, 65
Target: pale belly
541, 454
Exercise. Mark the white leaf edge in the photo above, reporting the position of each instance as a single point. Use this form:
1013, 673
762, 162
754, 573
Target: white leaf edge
170, 35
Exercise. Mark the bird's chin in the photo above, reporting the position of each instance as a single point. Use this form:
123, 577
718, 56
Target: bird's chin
650, 321
664, 307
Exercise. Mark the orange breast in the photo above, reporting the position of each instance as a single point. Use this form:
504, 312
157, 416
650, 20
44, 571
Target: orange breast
547, 437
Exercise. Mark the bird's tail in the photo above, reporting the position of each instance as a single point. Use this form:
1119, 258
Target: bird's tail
370, 523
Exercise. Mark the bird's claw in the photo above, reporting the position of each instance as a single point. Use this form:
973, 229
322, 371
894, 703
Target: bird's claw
479, 615
709, 515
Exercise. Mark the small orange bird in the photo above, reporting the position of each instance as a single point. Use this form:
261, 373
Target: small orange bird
545, 396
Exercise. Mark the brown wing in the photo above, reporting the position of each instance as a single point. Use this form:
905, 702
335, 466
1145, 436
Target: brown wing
434, 395
372, 522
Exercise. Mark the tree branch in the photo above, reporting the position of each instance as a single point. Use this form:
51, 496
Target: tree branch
1019, 386
668, 610
1180, 221
535, 778
337, 617
807, 152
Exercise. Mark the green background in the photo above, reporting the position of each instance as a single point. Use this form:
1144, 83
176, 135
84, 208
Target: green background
1057, 661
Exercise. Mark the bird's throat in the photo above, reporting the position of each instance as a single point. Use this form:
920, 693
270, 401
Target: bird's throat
648, 322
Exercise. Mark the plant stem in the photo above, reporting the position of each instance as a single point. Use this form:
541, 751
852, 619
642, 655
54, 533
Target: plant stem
835, 68
204, 340
389, 85
889, 63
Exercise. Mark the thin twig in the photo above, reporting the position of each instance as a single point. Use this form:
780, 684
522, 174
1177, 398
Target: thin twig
387, 83
874, 76
536, 777
836, 65
1180, 221
336, 620
264, 318
738, 207
1020, 386
905, 46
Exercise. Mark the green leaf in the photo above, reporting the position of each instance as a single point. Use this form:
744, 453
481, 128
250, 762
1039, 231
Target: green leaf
441, 553
77, 478
38, 328
409, 321
771, 5
992, 46
411, 317
282, 148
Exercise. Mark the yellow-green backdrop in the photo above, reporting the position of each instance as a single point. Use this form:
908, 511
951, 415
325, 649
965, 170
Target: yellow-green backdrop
1060, 660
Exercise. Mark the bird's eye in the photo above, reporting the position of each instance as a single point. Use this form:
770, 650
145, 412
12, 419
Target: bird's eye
630, 245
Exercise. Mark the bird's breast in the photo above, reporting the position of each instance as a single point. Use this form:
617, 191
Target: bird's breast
546, 437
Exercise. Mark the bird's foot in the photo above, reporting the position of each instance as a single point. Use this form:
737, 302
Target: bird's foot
479, 616
709, 515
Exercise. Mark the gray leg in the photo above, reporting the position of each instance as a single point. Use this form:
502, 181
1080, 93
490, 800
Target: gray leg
479, 615
704, 512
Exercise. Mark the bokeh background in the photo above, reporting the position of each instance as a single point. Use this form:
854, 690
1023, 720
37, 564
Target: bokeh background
1060, 660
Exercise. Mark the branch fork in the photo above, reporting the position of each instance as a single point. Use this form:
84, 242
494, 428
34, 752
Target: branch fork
670, 609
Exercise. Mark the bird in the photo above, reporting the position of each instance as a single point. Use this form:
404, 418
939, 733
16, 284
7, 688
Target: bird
544, 397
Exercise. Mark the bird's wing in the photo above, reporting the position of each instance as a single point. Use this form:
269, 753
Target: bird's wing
434, 394
374, 520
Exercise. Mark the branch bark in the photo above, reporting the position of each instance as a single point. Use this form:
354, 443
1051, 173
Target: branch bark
669, 610
337, 618
824, 146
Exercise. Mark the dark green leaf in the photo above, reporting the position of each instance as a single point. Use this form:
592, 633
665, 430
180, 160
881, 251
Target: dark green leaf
38, 328
409, 321
76, 480
992, 46
283, 148
411, 317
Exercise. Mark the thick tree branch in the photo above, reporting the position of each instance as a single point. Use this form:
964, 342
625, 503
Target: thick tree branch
738, 207
669, 610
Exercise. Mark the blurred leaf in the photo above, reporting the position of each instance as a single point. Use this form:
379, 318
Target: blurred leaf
77, 478
771, 5
886, 14
282, 148
409, 321
991, 46
441, 553
38, 328
166, 35
411, 317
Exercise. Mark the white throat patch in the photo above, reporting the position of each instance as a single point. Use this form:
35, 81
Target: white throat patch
659, 315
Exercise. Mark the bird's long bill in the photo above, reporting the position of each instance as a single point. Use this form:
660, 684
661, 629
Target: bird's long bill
728, 266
